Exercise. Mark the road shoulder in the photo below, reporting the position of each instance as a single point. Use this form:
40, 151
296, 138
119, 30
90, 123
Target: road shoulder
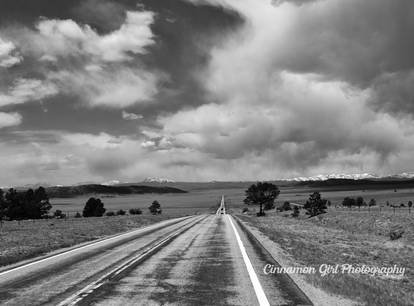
315, 294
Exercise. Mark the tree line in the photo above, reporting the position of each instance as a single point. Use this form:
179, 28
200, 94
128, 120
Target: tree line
35, 204
31, 204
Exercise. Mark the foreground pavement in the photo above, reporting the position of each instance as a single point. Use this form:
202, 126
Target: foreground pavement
200, 260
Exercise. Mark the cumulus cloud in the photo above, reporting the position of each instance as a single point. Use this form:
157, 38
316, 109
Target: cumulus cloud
26, 90
68, 38
113, 88
8, 54
76, 60
294, 88
9, 119
131, 116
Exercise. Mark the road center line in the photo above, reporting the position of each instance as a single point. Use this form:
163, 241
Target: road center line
261, 296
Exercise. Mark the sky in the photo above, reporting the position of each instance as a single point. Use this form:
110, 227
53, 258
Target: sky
200, 90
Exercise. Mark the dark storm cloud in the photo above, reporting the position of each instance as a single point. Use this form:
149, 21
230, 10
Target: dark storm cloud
394, 92
104, 15
298, 2
355, 42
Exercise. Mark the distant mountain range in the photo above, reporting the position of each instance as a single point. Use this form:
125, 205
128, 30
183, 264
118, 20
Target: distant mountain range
357, 176
160, 180
155, 181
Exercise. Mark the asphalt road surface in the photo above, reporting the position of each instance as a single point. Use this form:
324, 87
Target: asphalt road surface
200, 260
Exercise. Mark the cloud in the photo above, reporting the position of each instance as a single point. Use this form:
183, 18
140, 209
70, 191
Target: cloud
104, 14
294, 87
131, 116
9, 57
68, 38
9, 119
115, 88
101, 70
27, 90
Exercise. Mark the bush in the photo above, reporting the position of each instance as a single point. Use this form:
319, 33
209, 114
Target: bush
396, 232
110, 214
135, 211
245, 210
295, 212
78, 215
155, 208
349, 202
285, 206
121, 212
94, 208
315, 205
59, 214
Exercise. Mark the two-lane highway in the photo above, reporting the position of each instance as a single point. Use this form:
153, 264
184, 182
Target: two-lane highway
200, 260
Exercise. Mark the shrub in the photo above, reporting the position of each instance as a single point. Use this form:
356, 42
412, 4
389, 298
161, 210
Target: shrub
78, 215
315, 205
372, 202
245, 210
348, 202
135, 211
285, 206
295, 212
110, 214
94, 208
121, 212
59, 214
396, 232
155, 208
359, 202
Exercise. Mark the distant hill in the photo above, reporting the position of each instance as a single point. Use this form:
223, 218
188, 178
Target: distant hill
90, 189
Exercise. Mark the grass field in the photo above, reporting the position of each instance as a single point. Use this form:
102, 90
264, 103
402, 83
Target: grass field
29, 238
348, 237
195, 202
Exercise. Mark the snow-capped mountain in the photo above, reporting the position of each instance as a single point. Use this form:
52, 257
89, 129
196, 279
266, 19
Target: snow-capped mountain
322, 177
111, 183
404, 175
157, 180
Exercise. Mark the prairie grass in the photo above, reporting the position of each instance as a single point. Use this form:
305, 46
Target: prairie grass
343, 237
20, 240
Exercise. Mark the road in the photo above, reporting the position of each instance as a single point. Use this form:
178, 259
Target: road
198, 260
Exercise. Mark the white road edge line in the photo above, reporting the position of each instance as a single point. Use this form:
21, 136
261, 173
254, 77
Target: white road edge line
73, 250
261, 296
